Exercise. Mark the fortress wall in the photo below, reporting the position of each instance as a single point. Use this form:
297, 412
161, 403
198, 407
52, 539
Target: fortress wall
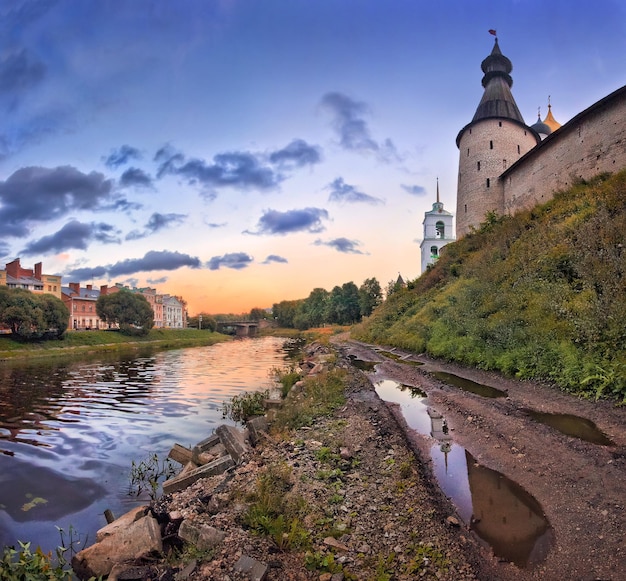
593, 142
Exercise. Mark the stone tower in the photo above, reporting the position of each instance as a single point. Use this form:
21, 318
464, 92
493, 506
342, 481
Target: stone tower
438, 232
495, 138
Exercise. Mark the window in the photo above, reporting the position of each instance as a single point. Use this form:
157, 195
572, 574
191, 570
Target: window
478, 165
75, 306
440, 230
504, 164
490, 144
518, 149
488, 183
466, 208
468, 152
499, 123
83, 308
434, 252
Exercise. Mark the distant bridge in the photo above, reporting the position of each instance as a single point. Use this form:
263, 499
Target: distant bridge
241, 328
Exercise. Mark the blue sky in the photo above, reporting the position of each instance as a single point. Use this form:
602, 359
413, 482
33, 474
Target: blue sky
244, 152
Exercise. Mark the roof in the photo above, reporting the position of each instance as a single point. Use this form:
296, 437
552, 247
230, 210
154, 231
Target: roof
550, 121
87, 294
497, 100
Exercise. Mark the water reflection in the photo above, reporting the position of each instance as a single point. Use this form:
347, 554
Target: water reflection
70, 430
571, 425
500, 511
469, 385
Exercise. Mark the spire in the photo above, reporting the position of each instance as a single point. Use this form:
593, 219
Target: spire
497, 99
437, 190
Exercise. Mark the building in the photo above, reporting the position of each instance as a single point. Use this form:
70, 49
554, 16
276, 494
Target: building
156, 304
14, 276
174, 312
506, 166
438, 231
81, 303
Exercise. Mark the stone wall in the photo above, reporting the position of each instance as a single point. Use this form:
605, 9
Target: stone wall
593, 142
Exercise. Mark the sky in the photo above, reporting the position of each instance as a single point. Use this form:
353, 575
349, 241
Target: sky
243, 152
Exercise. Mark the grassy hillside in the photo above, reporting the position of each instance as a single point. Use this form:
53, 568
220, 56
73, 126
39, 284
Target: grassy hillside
540, 295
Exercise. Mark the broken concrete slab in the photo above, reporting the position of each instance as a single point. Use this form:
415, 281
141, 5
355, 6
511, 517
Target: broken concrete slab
140, 538
254, 570
234, 442
121, 523
187, 478
257, 427
180, 454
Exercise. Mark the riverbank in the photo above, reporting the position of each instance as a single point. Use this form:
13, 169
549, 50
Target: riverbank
93, 342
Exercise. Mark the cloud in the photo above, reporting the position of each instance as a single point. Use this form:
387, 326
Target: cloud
153, 260
414, 190
121, 156
215, 224
156, 281
342, 192
19, 72
342, 245
234, 260
241, 170
352, 129
121, 204
305, 220
74, 234
156, 223
275, 258
39, 194
135, 177
297, 154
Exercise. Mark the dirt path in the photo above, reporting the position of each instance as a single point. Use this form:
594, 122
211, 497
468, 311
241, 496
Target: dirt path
580, 486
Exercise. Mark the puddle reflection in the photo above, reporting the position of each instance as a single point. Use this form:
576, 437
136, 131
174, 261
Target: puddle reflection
498, 509
469, 385
571, 425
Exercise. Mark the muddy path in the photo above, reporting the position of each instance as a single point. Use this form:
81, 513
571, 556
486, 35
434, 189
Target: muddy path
579, 485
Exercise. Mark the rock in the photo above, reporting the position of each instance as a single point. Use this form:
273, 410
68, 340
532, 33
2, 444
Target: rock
202, 536
234, 442
206, 445
139, 538
253, 569
335, 544
121, 523
187, 571
452, 521
257, 427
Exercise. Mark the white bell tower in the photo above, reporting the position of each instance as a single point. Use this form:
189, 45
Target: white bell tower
438, 231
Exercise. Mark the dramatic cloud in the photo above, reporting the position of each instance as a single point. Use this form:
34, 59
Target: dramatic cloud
275, 258
342, 192
305, 220
156, 223
74, 234
39, 194
352, 129
153, 260
297, 154
122, 156
135, 177
414, 190
234, 260
341, 245
242, 170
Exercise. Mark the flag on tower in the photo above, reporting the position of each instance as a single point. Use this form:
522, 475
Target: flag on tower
492, 31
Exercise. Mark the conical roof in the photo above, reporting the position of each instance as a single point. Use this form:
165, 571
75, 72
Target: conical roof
497, 99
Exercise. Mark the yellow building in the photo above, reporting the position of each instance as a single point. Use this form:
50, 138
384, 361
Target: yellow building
14, 276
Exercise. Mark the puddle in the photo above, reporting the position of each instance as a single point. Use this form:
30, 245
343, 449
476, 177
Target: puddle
361, 364
498, 510
401, 358
571, 425
469, 385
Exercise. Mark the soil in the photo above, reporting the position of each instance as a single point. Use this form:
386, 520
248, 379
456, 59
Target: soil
381, 515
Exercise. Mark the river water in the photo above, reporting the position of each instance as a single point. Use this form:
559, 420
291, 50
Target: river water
69, 431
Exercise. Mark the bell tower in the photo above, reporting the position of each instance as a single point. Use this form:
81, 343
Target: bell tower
495, 139
438, 232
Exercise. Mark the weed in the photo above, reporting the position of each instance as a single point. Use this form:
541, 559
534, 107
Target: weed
147, 474
244, 406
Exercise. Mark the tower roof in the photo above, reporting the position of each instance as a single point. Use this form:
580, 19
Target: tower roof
541, 127
497, 100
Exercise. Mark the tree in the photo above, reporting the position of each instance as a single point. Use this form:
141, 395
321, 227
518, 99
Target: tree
315, 307
32, 316
257, 314
343, 304
131, 311
208, 322
285, 312
370, 296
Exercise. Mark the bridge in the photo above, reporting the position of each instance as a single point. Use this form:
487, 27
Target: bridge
240, 328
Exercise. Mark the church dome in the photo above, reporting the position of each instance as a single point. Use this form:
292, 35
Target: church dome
550, 121
542, 128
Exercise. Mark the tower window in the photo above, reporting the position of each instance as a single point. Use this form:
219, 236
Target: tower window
491, 145
466, 208
468, 152
478, 165
518, 149
440, 230
499, 123
488, 183
434, 252
504, 163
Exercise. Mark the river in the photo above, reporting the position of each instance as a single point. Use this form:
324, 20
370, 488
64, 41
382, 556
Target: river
69, 431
